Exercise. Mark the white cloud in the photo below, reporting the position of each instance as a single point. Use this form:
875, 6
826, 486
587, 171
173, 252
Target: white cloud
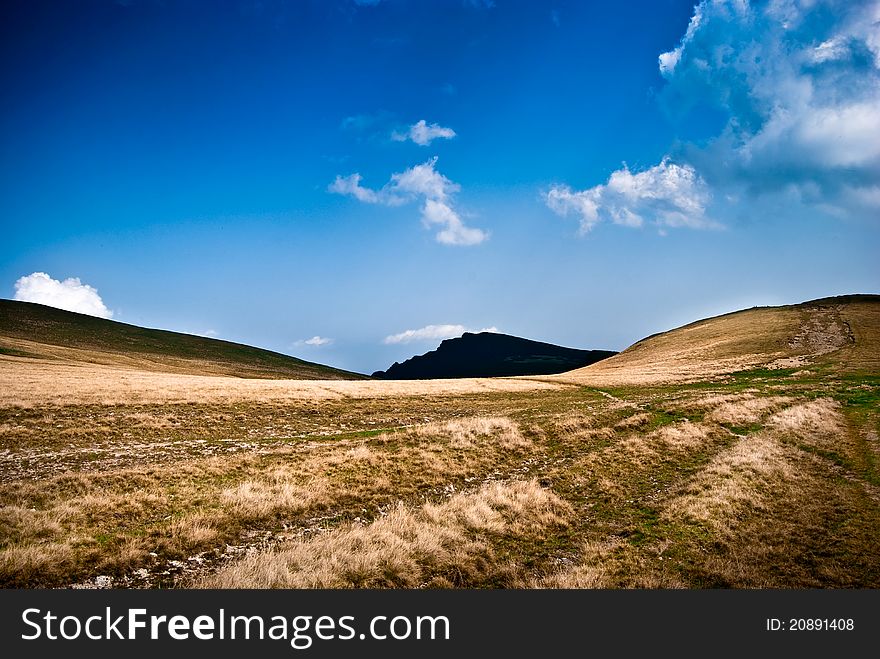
800, 83
423, 133
454, 231
315, 341
669, 60
432, 333
837, 136
562, 200
830, 50
351, 185
70, 294
420, 182
667, 195
423, 180
417, 181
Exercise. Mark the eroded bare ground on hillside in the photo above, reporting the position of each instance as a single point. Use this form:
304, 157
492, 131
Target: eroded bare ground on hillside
822, 331
763, 479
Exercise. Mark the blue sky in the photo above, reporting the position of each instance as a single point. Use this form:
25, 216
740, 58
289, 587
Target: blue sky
349, 182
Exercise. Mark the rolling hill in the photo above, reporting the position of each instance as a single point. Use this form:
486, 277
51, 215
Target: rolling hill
739, 451
489, 354
37, 331
838, 333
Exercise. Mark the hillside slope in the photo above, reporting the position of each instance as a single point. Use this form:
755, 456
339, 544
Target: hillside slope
36, 331
489, 354
839, 333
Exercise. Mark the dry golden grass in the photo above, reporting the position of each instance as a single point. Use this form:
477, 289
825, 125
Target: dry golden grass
683, 435
773, 337
737, 479
581, 427
742, 409
691, 504
468, 433
436, 545
637, 452
610, 563
591, 571
194, 530
633, 421
274, 492
697, 351
763, 478
815, 420
863, 321
28, 382
187, 507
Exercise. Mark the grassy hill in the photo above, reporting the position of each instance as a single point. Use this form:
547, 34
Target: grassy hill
37, 331
739, 451
837, 333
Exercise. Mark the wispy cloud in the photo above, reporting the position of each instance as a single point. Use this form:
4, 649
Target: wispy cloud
369, 126
668, 195
479, 4
432, 333
70, 294
423, 133
315, 341
359, 121
420, 182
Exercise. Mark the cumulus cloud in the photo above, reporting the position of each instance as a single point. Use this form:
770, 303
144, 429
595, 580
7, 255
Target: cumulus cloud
423, 133
423, 180
70, 294
351, 185
454, 231
432, 333
800, 83
418, 183
315, 341
668, 195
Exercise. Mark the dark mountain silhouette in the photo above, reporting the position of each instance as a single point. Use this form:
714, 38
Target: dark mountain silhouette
489, 354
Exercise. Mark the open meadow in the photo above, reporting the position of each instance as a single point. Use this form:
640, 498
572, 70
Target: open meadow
740, 451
